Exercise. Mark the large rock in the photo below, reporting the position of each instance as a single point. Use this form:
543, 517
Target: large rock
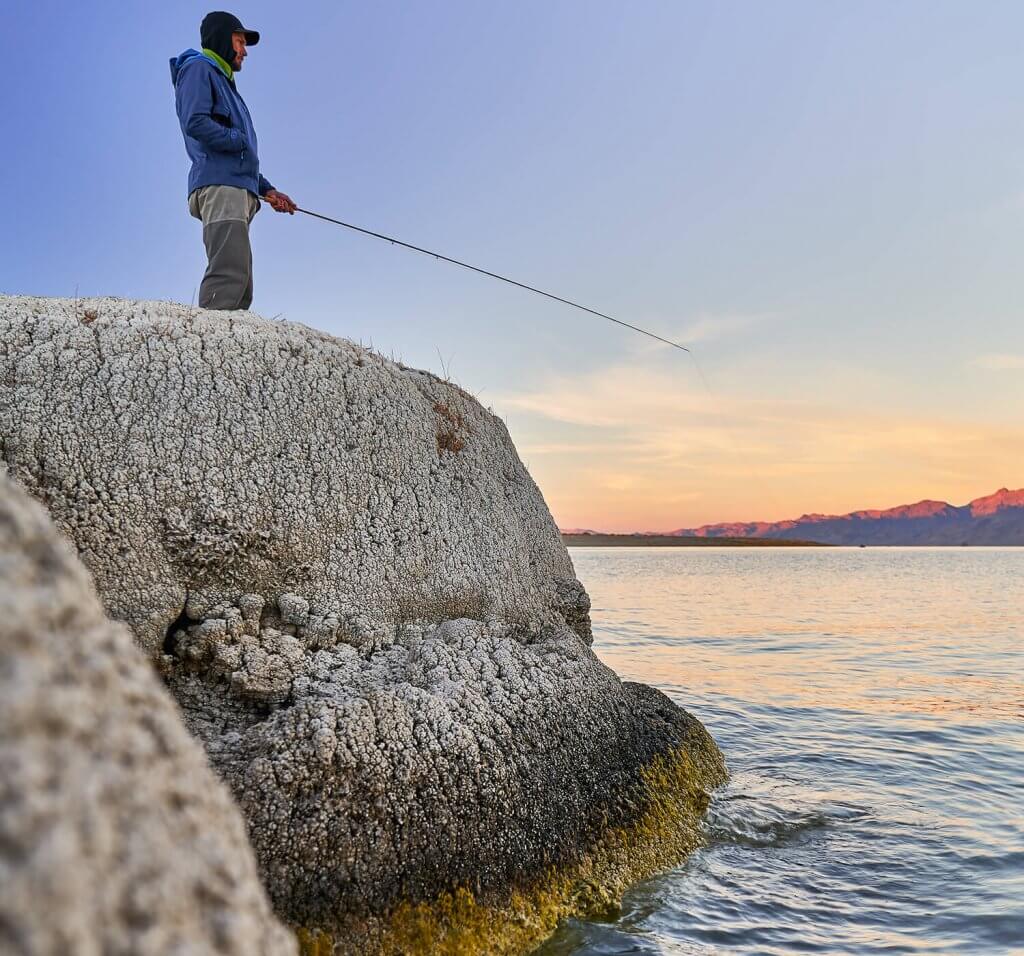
362, 604
115, 836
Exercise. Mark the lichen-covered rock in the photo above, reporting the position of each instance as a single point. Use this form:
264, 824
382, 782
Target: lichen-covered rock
115, 836
195, 455
364, 609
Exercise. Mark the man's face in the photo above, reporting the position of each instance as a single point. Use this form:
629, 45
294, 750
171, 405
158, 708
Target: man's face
238, 42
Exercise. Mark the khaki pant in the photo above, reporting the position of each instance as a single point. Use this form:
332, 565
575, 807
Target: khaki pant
225, 212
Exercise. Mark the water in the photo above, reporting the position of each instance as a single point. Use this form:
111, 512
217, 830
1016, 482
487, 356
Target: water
870, 704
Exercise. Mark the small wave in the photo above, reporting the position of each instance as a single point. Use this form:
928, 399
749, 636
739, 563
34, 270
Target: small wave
753, 811
723, 828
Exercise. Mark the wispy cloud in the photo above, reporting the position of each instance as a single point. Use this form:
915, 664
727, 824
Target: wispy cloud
708, 327
695, 331
998, 361
657, 417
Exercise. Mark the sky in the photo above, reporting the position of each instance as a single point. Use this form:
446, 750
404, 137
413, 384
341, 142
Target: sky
824, 200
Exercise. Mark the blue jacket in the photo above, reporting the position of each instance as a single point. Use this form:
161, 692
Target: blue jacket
219, 135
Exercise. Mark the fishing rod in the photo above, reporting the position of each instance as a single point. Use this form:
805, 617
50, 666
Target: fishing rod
485, 272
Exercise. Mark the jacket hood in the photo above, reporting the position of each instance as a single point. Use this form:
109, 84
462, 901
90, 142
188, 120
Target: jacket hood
216, 31
177, 62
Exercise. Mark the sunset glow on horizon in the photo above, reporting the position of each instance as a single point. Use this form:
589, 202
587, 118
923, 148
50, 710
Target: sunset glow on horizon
629, 448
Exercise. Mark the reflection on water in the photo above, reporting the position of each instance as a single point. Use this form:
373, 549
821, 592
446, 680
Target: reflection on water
871, 706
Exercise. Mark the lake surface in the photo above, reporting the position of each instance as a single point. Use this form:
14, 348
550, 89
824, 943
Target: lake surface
870, 704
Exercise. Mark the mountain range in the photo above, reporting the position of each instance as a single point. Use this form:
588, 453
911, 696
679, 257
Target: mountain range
994, 519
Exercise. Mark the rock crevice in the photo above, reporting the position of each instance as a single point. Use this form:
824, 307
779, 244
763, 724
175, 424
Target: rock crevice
115, 835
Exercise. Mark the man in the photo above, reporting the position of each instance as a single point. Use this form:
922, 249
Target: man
225, 183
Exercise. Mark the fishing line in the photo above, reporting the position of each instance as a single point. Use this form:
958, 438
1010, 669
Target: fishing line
493, 275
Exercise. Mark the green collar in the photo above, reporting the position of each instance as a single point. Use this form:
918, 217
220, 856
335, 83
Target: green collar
221, 62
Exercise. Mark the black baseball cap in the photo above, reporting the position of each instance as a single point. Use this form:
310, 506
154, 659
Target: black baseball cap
219, 23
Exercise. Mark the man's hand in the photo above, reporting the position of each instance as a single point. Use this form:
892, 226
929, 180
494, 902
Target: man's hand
280, 202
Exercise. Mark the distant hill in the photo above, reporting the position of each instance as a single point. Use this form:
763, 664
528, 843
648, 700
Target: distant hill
595, 539
996, 519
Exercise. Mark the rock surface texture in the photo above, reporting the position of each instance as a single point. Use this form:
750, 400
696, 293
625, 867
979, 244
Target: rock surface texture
360, 600
115, 835
195, 457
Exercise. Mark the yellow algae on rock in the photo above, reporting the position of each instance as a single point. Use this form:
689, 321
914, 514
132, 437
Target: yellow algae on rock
457, 924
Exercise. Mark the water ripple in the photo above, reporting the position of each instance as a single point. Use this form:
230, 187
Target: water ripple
869, 704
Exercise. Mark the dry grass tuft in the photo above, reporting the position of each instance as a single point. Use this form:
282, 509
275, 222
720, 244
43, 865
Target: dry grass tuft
452, 429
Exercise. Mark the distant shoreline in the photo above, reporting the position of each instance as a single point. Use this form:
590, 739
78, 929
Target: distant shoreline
677, 541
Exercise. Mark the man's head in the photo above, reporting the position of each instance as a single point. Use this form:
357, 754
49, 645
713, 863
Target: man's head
224, 34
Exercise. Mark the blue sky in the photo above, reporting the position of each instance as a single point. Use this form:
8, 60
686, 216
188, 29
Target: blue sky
826, 199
